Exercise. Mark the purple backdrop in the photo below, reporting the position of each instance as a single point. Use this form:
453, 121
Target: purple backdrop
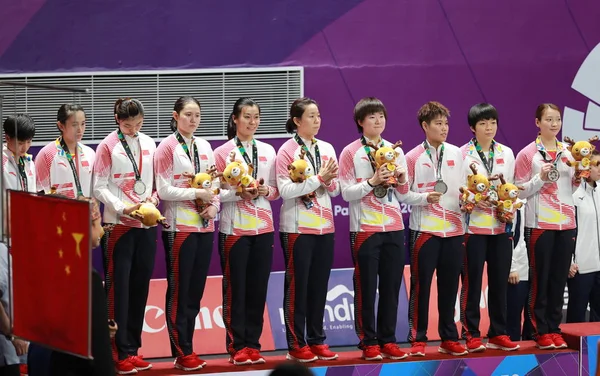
513, 54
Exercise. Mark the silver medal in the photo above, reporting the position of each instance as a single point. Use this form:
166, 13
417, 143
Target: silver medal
553, 174
139, 187
379, 191
440, 187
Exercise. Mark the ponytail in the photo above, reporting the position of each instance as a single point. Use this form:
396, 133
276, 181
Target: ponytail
290, 126
115, 108
231, 127
173, 124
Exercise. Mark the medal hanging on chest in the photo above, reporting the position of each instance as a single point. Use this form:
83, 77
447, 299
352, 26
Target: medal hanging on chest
553, 173
139, 187
440, 186
379, 191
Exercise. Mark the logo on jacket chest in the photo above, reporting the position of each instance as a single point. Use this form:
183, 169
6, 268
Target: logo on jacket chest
449, 163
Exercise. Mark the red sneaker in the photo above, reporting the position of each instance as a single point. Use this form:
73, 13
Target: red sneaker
125, 367
23, 369
475, 345
322, 352
255, 356
559, 341
417, 349
545, 342
371, 353
302, 355
241, 357
392, 351
452, 348
502, 343
139, 363
189, 362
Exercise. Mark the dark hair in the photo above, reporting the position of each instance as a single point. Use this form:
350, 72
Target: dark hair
539, 112
481, 111
366, 107
237, 111
430, 111
66, 111
291, 369
116, 105
595, 152
296, 111
126, 108
178, 107
20, 126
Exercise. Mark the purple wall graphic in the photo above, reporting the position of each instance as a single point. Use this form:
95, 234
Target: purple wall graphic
513, 54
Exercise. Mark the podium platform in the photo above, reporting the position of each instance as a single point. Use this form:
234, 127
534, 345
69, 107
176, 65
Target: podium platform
584, 337
527, 361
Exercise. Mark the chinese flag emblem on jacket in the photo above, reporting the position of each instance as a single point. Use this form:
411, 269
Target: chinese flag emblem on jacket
51, 271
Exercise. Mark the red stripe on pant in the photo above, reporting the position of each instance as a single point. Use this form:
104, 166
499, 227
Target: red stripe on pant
290, 303
465, 291
533, 277
173, 275
413, 307
112, 238
358, 239
229, 242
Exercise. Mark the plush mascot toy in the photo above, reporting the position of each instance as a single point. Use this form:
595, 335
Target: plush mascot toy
238, 177
299, 171
475, 191
582, 153
149, 215
386, 156
203, 180
508, 201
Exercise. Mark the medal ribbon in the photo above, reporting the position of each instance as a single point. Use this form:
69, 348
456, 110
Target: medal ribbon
247, 158
183, 144
487, 163
438, 172
542, 149
317, 165
65, 148
368, 151
21, 166
130, 155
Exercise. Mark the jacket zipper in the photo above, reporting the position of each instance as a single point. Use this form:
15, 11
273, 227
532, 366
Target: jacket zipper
321, 215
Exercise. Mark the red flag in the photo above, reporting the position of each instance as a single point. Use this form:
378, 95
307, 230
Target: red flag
51, 271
